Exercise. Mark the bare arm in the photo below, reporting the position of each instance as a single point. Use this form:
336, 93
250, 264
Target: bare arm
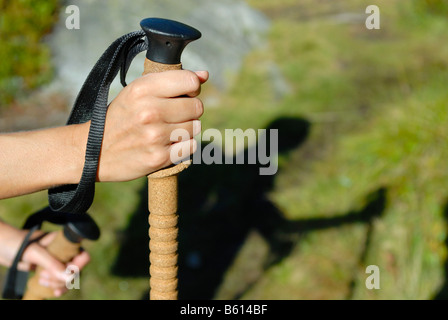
136, 138
37, 160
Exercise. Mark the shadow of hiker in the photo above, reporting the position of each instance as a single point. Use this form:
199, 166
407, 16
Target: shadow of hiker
442, 294
219, 206
132, 260
281, 242
210, 196
377, 202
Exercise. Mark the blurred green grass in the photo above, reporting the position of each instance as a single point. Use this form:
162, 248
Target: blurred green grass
25, 59
376, 101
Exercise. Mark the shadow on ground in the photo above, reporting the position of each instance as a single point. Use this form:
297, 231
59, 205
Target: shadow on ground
442, 294
219, 206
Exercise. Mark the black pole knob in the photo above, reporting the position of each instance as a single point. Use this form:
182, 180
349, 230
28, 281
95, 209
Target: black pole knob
81, 226
167, 39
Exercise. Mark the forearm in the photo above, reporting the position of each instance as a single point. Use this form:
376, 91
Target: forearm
38, 160
136, 142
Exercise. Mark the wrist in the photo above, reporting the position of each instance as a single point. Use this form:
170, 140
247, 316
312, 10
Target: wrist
42, 159
68, 145
77, 146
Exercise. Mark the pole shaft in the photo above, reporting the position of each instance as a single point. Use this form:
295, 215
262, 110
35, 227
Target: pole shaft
163, 218
163, 230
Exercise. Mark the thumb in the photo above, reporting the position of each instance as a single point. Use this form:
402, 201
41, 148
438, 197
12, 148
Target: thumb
37, 255
203, 76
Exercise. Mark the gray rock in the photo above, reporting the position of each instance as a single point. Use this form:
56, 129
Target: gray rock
230, 29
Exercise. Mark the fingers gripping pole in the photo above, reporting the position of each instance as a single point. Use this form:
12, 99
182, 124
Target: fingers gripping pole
61, 249
64, 247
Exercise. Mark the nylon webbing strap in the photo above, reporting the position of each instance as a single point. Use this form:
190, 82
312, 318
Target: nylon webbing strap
91, 104
16, 280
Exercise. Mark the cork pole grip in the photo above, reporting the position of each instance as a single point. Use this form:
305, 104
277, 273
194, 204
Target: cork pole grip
61, 249
163, 230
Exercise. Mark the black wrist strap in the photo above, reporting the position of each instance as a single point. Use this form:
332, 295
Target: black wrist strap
91, 104
15, 282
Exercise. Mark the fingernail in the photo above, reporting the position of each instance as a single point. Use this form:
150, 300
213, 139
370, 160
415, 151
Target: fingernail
44, 282
45, 275
62, 276
57, 293
197, 127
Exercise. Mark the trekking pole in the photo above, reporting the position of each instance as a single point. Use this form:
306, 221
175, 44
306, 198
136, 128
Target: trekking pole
167, 39
64, 247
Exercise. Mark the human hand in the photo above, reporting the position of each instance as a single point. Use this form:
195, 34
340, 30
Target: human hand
141, 118
53, 274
